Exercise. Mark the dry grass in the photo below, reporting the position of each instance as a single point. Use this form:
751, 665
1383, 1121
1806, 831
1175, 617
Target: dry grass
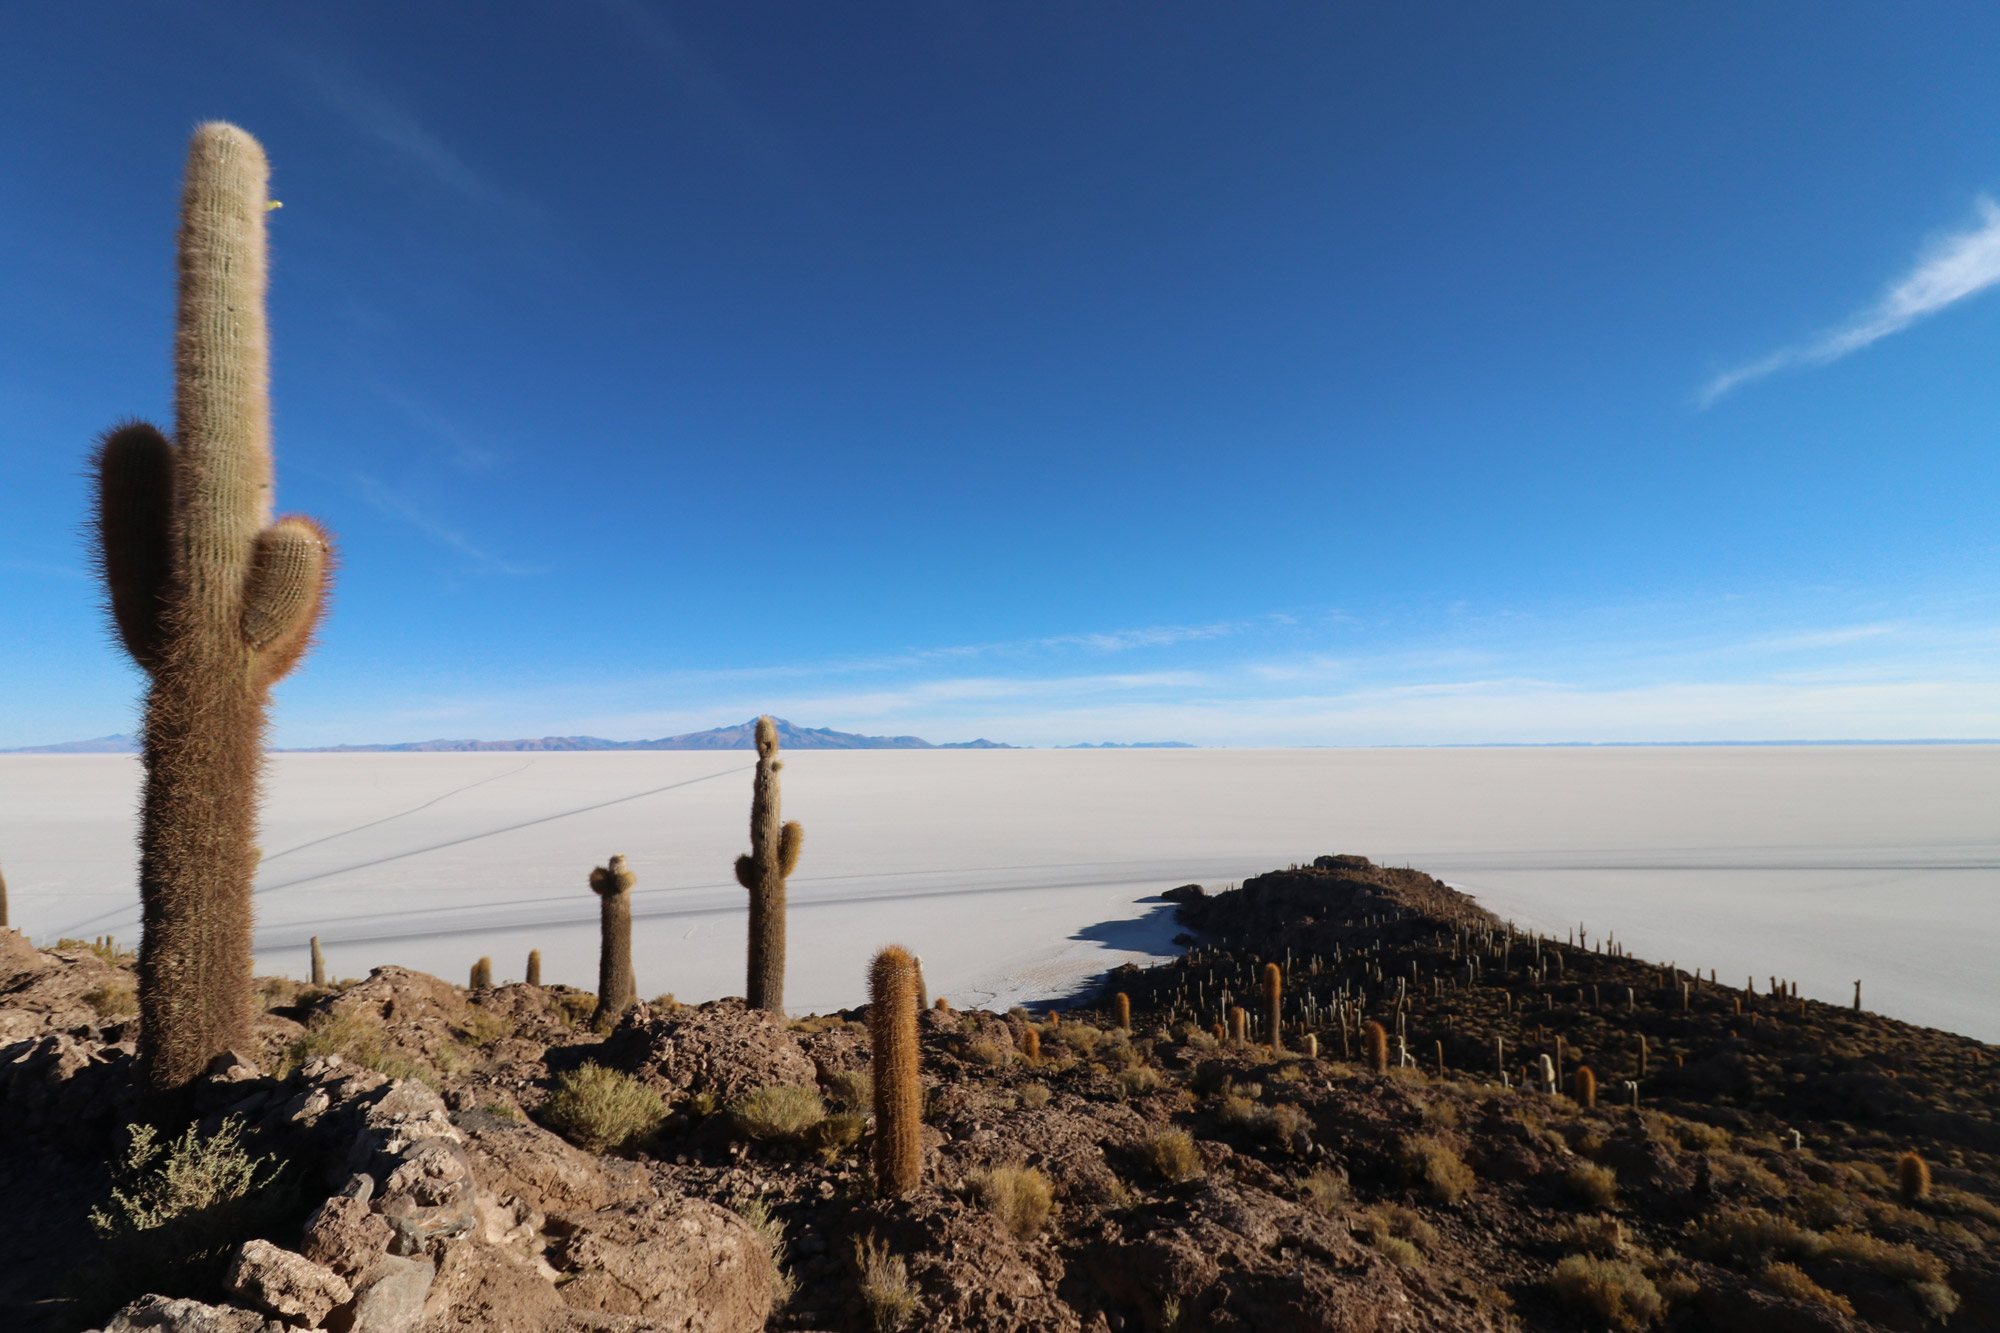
990, 1054
1592, 1184
1171, 1155
1601, 1236
851, 1090
1137, 1081
1608, 1289
114, 999
1033, 1095
779, 1111
358, 1036
1436, 1169
885, 1285
573, 1007
1324, 1190
1790, 1281
836, 1135
600, 1109
1018, 1196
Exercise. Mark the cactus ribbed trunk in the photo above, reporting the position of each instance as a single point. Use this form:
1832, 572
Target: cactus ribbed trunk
482, 975
1274, 993
318, 964
616, 991
1122, 1007
1584, 1088
534, 967
899, 1101
217, 602
774, 851
1375, 1040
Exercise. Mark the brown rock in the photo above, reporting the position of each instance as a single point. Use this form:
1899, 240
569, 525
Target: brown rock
163, 1314
389, 1298
430, 1197
346, 1237
486, 1289
17, 956
726, 1048
514, 1159
288, 1285
686, 1264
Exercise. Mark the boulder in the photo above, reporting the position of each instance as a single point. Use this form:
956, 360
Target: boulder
684, 1264
488, 1289
515, 1159
17, 956
725, 1048
346, 1237
430, 1197
389, 1297
288, 1285
164, 1314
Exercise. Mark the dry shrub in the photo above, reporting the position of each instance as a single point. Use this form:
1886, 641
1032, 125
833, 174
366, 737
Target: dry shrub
1601, 1236
1791, 1282
1436, 1169
114, 999
1018, 1196
1399, 1251
983, 1052
836, 1135
1281, 1123
1609, 1289
779, 1111
1034, 1096
757, 1212
1748, 1235
1905, 1263
1172, 1156
1593, 1184
1236, 1112
480, 1028
1079, 1038
1935, 1299
1393, 1220
886, 1291
573, 1007
851, 1089
1325, 1189
600, 1109
1137, 1081
358, 1036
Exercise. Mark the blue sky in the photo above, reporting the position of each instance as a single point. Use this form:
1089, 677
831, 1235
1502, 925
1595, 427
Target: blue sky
1273, 374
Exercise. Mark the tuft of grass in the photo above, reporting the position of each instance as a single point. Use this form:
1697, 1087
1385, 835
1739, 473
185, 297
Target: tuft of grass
572, 1007
1399, 1251
1019, 1196
1034, 1096
113, 999
480, 1028
600, 1109
851, 1089
771, 1231
836, 1135
1172, 1156
886, 1291
1609, 1289
992, 1056
357, 1036
1387, 1222
1601, 1236
1791, 1282
1325, 1190
1137, 1081
1436, 1169
1592, 1184
779, 1111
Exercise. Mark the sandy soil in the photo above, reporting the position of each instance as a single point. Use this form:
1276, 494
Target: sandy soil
1018, 875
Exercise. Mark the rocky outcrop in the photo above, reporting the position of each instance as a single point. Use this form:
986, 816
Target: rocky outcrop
726, 1049
685, 1264
289, 1286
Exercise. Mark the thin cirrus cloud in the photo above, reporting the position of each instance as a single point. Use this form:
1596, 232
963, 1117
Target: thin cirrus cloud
1959, 265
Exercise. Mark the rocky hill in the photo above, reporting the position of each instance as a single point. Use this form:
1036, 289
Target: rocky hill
400, 1153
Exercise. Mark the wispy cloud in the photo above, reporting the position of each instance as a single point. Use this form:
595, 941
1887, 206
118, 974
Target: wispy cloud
1957, 266
396, 505
380, 117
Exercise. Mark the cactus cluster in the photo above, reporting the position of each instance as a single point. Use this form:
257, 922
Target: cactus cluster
216, 601
774, 852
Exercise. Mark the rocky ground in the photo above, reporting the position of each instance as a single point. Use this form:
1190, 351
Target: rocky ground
440, 1159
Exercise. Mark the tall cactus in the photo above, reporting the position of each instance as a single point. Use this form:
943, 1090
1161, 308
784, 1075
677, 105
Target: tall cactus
534, 967
899, 1098
616, 991
774, 851
1274, 995
217, 602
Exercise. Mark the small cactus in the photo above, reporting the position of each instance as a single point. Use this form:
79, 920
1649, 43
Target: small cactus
1440, 1058
941, 1004
216, 602
318, 964
1239, 1023
774, 852
482, 975
1311, 1046
1913, 1178
1121, 1005
899, 1100
3, 902
1375, 1042
616, 990
1583, 1088
1031, 1046
534, 967
1642, 1055
923, 990
1274, 993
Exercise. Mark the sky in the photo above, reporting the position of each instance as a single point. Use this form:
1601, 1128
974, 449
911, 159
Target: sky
1278, 374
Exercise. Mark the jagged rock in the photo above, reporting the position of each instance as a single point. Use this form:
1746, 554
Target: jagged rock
288, 1285
53, 996
430, 1197
345, 1236
687, 1264
389, 1297
163, 1314
519, 1160
725, 1048
17, 956
488, 1289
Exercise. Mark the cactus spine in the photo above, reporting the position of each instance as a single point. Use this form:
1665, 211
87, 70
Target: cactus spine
217, 603
534, 967
899, 1102
1375, 1041
774, 851
482, 975
318, 964
1913, 1178
1274, 995
1121, 1005
616, 991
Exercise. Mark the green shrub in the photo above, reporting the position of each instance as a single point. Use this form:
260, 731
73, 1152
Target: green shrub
1018, 1196
1609, 1289
600, 1109
779, 1111
1436, 1169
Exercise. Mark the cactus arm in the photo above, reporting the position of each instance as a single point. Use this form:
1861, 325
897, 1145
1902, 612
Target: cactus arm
134, 522
746, 873
790, 840
290, 568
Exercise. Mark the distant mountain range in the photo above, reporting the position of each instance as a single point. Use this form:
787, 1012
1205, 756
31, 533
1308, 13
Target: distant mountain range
739, 737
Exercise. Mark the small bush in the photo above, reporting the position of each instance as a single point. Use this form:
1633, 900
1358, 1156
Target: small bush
573, 1007
113, 999
779, 1111
1791, 1282
1138, 1081
600, 1109
1394, 1220
1399, 1251
480, 1028
983, 1052
885, 1285
1325, 1190
1281, 1123
1033, 1095
1905, 1263
356, 1035
1601, 1236
1436, 1169
1592, 1184
1698, 1137
1018, 1196
837, 1134
1935, 1299
1172, 1156
771, 1232
1609, 1289
852, 1090
1236, 1112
